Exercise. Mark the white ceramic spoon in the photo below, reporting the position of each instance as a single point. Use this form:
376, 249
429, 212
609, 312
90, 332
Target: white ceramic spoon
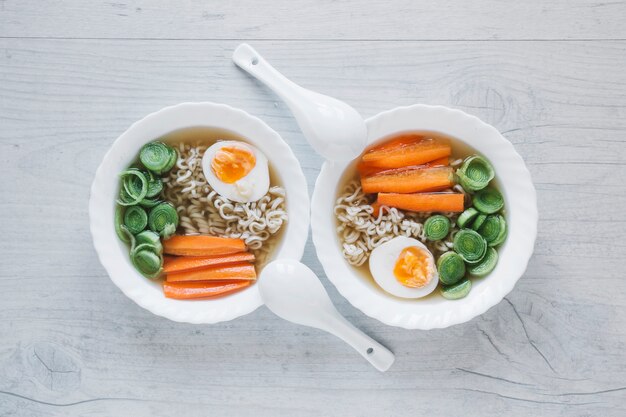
333, 128
292, 291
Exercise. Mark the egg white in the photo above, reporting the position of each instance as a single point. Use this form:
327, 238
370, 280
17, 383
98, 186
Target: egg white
383, 260
250, 188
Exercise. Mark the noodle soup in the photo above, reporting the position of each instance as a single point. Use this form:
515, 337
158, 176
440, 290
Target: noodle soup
202, 210
418, 211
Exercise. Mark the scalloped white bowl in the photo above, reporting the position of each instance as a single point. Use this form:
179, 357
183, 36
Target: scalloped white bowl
435, 311
113, 253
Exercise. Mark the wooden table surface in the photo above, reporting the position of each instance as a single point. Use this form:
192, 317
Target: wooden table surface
74, 75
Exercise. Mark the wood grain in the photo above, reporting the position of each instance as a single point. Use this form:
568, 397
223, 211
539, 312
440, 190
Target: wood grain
316, 19
71, 344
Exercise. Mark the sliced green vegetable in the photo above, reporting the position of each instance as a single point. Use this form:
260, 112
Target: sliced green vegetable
163, 220
135, 219
147, 260
488, 201
470, 245
134, 187
451, 268
480, 219
150, 202
485, 266
436, 227
119, 222
475, 173
155, 185
456, 291
129, 237
155, 156
493, 229
150, 238
466, 217
173, 159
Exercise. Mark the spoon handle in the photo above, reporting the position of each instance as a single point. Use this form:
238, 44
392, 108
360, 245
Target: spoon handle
248, 59
375, 353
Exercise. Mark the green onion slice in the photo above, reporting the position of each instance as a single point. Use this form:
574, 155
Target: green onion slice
135, 219
475, 173
147, 260
172, 161
480, 219
488, 201
119, 222
467, 216
150, 238
493, 229
451, 268
150, 202
470, 245
437, 227
155, 156
155, 185
485, 266
456, 291
163, 220
134, 187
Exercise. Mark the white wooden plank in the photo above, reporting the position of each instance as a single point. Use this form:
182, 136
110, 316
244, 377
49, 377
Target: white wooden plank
72, 344
315, 19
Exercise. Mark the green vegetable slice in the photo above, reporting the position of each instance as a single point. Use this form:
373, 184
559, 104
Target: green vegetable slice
480, 219
155, 185
135, 219
155, 156
485, 266
150, 202
147, 260
493, 229
451, 268
172, 161
470, 245
456, 291
488, 201
134, 187
163, 220
437, 227
475, 173
119, 222
150, 238
467, 216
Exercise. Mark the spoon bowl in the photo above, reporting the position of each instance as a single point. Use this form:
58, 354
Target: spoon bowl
333, 128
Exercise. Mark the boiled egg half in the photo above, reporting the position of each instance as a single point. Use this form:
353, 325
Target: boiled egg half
237, 171
404, 267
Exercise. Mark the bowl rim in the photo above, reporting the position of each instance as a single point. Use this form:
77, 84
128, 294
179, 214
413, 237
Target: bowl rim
157, 124
521, 208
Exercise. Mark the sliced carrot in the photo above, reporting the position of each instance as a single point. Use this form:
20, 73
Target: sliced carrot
396, 142
409, 180
214, 289
185, 263
202, 245
407, 154
423, 202
240, 271
441, 162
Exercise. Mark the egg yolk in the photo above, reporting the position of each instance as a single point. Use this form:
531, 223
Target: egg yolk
230, 163
412, 267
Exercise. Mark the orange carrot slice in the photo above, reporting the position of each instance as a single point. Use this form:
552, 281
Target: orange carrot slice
240, 271
190, 290
202, 245
185, 263
367, 169
407, 154
423, 202
409, 180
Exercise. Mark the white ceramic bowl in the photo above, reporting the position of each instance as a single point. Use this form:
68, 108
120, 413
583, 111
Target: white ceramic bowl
433, 312
113, 253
